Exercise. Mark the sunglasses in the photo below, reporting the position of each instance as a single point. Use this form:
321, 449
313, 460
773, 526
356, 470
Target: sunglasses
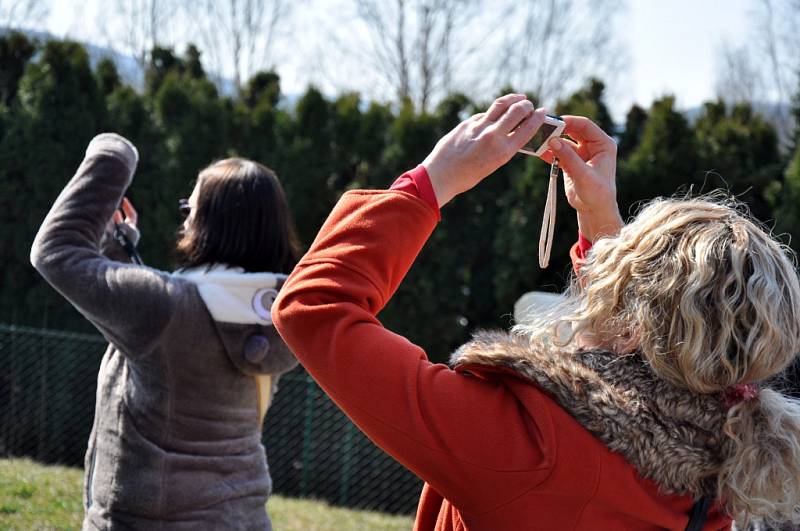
184, 207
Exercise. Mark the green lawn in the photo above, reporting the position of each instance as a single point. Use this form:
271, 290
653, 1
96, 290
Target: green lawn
34, 496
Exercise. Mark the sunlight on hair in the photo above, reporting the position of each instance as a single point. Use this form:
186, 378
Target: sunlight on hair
709, 299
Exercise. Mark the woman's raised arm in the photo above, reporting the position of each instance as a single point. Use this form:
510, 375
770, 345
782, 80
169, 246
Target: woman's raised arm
426, 415
129, 304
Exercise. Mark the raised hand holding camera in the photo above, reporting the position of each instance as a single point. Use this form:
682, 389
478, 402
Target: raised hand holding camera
589, 163
480, 144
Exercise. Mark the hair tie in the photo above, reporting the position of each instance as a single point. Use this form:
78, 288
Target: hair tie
739, 393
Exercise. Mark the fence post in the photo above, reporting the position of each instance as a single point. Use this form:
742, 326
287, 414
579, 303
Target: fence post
9, 441
42, 427
308, 431
347, 463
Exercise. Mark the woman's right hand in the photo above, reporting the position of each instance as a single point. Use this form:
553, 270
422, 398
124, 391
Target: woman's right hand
589, 165
481, 144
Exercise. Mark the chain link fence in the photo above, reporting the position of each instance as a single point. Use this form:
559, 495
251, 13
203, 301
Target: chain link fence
47, 395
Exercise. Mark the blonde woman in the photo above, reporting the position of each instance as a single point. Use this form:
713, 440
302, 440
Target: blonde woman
654, 413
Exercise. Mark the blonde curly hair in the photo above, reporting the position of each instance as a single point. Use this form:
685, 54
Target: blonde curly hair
710, 300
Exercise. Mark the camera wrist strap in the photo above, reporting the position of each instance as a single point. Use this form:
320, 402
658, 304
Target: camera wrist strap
549, 218
126, 243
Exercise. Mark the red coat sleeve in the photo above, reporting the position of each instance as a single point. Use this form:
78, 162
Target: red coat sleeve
417, 182
468, 437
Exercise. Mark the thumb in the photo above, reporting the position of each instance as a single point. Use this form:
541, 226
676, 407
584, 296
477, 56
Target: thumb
568, 157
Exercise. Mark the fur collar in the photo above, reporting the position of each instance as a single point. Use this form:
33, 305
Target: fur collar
670, 435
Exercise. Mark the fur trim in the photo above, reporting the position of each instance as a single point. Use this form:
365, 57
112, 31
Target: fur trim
669, 434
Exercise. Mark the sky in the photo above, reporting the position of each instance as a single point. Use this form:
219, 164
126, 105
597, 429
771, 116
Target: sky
673, 47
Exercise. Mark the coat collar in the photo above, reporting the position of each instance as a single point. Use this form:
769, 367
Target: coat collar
670, 435
234, 296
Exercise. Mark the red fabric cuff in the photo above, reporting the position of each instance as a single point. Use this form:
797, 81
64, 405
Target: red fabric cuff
578, 253
583, 246
417, 183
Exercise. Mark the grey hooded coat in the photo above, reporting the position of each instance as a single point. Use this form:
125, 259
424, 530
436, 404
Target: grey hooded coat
182, 389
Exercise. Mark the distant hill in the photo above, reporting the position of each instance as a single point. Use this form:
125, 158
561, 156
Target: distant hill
129, 69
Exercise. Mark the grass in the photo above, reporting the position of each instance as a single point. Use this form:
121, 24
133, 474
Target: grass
33, 496
39, 497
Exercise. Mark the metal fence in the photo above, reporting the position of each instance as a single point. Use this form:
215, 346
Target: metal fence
47, 396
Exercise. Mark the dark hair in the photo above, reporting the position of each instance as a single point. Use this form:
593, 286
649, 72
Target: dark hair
241, 219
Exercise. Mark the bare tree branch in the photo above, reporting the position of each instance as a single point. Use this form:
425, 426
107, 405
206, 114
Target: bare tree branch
772, 44
556, 44
389, 55
738, 77
238, 35
19, 14
778, 33
412, 45
424, 49
767, 68
139, 25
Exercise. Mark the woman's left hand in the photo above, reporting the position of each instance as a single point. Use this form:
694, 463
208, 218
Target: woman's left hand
128, 215
590, 165
126, 220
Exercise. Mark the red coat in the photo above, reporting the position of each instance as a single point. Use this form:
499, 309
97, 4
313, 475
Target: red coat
495, 451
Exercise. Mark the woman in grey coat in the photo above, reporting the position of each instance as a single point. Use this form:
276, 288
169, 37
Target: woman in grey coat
193, 358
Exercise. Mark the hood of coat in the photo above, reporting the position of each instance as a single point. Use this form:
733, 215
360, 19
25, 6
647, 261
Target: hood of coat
235, 296
670, 435
240, 304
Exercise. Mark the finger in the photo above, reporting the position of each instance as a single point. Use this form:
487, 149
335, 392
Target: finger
583, 148
527, 128
583, 129
514, 116
579, 149
548, 155
498, 108
130, 212
117, 217
568, 157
